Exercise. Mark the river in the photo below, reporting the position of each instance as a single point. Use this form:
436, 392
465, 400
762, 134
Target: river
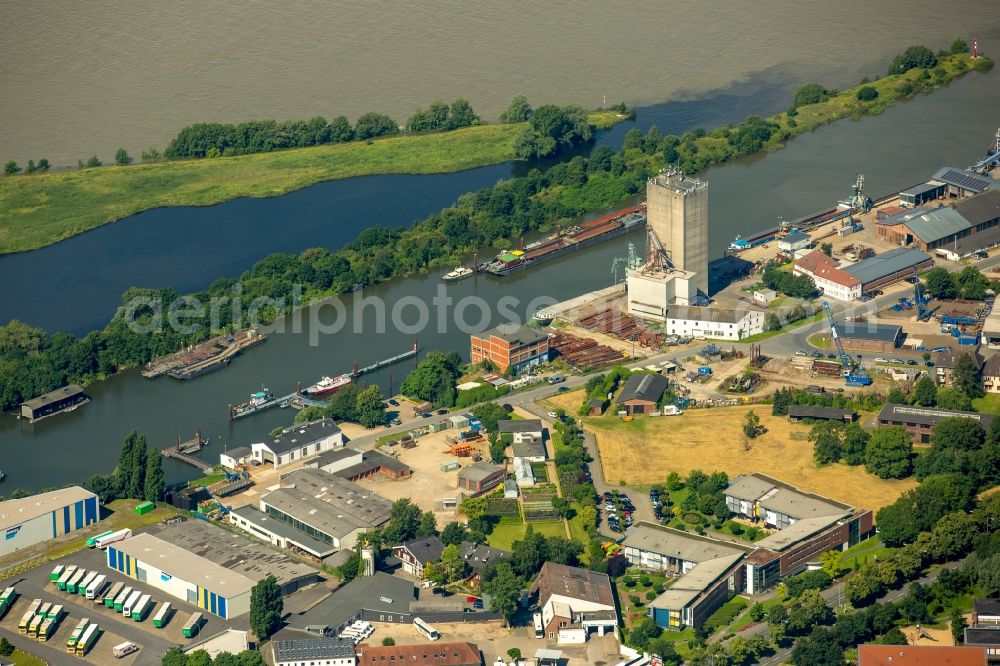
83, 78
902, 147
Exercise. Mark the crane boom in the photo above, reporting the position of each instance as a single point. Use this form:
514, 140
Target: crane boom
854, 376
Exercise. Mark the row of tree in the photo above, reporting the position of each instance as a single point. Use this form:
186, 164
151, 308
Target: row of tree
175, 656
784, 282
968, 283
364, 406
139, 474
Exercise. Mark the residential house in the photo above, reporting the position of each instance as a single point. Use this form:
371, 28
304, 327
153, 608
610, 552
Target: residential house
478, 556
574, 602
945, 361
415, 555
991, 374
721, 323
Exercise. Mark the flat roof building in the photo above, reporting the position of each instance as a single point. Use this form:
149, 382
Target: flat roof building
870, 336
326, 507
921, 194
31, 520
721, 323
377, 598
206, 566
278, 533
509, 345
799, 412
62, 399
920, 421
433, 654
889, 267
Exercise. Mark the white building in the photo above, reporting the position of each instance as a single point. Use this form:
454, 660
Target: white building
298, 442
764, 296
721, 323
522, 430
233, 458
314, 652
832, 281
232, 641
30, 520
651, 291
524, 476
574, 602
792, 243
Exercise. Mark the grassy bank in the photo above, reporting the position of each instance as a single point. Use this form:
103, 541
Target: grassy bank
42, 208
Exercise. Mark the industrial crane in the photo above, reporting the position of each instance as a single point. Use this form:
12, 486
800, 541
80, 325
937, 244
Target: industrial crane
923, 314
853, 375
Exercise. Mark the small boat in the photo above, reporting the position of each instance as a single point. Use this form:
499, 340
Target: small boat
328, 385
258, 401
543, 317
459, 273
2, 475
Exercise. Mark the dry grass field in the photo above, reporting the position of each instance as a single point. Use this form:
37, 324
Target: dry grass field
647, 449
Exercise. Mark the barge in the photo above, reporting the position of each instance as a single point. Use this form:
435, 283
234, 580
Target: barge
258, 402
203, 357
570, 239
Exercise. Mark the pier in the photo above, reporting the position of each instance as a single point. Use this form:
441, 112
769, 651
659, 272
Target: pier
183, 450
387, 362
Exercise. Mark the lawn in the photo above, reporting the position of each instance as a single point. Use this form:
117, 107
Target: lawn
507, 532
647, 450
865, 551
785, 329
989, 403
42, 208
726, 614
21, 658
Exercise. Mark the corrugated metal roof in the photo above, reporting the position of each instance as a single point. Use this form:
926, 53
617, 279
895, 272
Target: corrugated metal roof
965, 179
931, 225
887, 263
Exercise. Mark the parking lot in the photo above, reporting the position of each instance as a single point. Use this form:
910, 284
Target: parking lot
114, 627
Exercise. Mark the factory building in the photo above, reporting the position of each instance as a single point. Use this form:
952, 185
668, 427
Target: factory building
510, 345
921, 194
324, 507
847, 283
298, 442
30, 520
720, 323
962, 183
205, 566
652, 290
926, 228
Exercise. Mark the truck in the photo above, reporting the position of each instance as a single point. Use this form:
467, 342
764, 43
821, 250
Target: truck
54, 613
85, 582
121, 599
43, 610
112, 594
25, 622
120, 535
672, 410
74, 582
92, 541
191, 627
67, 573
704, 370
7, 600
124, 649
56, 573
556, 379
130, 603
33, 626
141, 608
76, 635
45, 629
87, 640
95, 588
162, 615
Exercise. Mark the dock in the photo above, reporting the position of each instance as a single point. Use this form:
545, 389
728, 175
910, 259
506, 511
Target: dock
202, 357
386, 362
183, 450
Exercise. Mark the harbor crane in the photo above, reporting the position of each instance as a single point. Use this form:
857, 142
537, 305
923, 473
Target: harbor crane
992, 159
854, 375
633, 262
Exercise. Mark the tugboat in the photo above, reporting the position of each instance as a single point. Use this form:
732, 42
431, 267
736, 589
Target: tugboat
460, 272
328, 385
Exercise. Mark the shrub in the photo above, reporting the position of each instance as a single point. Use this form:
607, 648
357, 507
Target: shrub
867, 94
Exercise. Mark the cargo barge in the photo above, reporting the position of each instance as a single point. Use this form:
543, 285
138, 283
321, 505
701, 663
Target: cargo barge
570, 239
204, 357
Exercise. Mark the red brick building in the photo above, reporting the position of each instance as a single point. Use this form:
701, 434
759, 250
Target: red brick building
481, 476
510, 345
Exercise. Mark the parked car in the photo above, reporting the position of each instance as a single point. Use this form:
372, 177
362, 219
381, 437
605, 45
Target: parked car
911, 362
552, 415
442, 412
394, 403
879, 359
897, 360
801, 353
556, 379
563, 389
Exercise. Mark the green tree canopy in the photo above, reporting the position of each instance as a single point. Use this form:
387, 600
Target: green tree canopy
122, 157
370, 407
867, 93
889, 452
518, 111
911, 58
266, 607
372, 125
811, 93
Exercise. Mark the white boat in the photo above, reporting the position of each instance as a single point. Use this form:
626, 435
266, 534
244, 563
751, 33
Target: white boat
459, 273
543, 317
328, 385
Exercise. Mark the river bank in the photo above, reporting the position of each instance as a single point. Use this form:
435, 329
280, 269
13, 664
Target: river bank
43, 208
747, 195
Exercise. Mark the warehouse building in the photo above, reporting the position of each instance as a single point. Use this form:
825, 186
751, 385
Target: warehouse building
278, 533
480, 477
355, 465
832, 281
641, 392
816, 412
920, 421
326, 507
435, 654
377, 598
30, 520
298, 442
921, 194
869, 336
962, 183
510, 345
313, 652
206, 566
889, 268
62, 399
926, 228
719, 323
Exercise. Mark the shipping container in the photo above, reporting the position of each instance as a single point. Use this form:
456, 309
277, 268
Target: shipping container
76, 635
74, 582
87, 640
144, 507
96, 587
92, 541
67, 573
56, 573
112, 594
121, 599
191, 627
109, 539
130, 603
449, 466
85, 582
162, 615
141, 608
